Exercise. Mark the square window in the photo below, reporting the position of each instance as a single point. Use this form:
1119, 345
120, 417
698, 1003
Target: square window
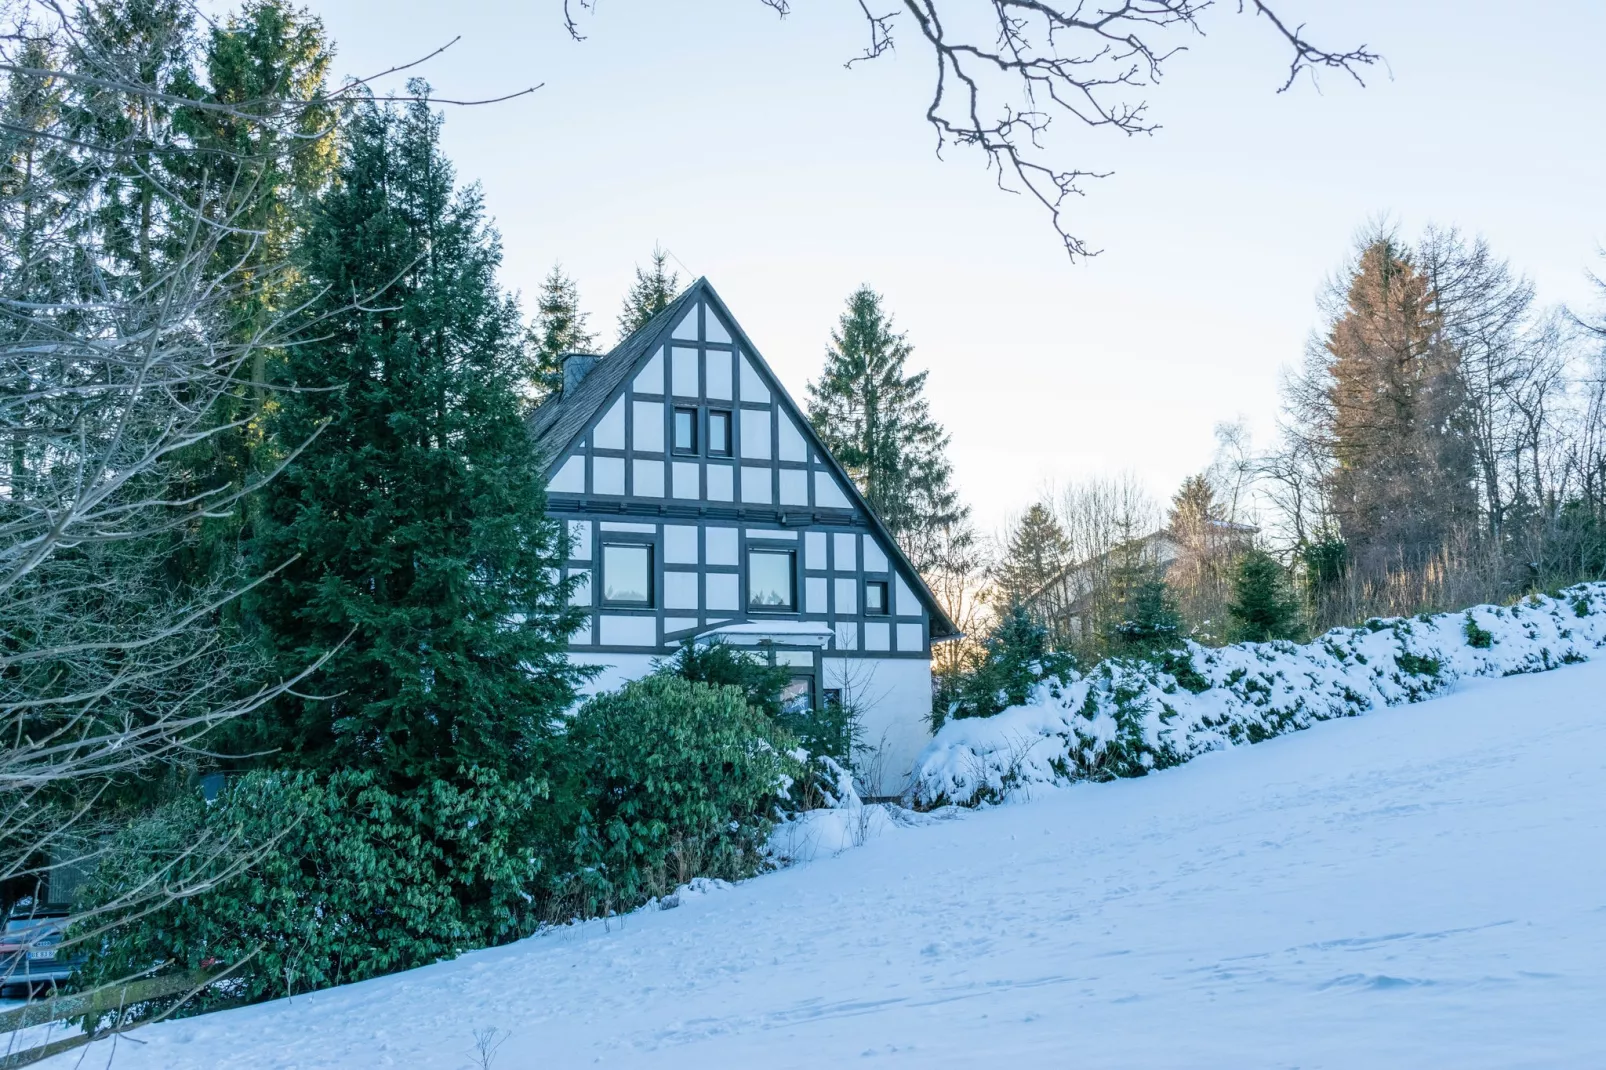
798, 695
772, 579
832, 696
627, 574
875, 598
685, 430
719, 433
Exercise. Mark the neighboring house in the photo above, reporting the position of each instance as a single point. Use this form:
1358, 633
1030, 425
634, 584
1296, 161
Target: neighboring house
701, 507
1064, 603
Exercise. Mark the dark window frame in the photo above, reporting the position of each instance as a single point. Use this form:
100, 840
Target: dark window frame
674, 431
886, 598
600, 579
790, 553
810, 693
730, 433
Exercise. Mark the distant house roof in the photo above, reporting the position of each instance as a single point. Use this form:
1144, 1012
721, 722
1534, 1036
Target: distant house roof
564, 417
1069, 587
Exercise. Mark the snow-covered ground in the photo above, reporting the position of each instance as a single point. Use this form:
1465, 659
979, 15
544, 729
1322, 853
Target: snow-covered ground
1423, 886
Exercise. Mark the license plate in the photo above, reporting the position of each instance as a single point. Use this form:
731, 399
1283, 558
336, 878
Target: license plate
35, 956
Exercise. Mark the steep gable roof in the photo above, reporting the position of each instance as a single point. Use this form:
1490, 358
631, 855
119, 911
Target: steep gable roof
562, 419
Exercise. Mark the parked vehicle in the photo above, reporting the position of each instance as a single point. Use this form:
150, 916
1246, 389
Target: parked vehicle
30, 952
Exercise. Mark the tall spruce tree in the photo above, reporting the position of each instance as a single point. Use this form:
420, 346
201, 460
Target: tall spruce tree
560, 327
422, 554
1037, 551
875, 420
649, 295
1393, 416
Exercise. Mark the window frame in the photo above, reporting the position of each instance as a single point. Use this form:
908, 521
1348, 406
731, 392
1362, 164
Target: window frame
600, 580
674, 431
810, 690
886, 597
730, 432
788, 552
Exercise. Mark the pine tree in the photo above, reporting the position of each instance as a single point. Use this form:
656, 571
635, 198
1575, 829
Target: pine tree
1149, 622
1037, 552
875, 420
138, 223
560, 327
425, 559
1015, 658
649, 295
1262, 608
1393, 410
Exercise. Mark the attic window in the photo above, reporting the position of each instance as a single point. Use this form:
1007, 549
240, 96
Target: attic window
719, 433
685, 430
875, 598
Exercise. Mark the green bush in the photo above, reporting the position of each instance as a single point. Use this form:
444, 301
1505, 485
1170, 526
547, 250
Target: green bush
828, 731
671, 780
1477, 638
323, 880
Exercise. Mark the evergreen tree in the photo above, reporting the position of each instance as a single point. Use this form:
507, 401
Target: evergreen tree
138, 223
1262, 608
875, 420
1015, 658
1038, 550
1149, 622
423, 558
1393, 414
649, 295
560, 327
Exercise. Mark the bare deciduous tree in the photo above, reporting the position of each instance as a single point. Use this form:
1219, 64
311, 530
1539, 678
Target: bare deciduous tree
1003, 70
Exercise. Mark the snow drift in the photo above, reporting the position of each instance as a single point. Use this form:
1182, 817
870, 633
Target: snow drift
1125, 718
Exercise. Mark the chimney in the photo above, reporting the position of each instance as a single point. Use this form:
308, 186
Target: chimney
576, 366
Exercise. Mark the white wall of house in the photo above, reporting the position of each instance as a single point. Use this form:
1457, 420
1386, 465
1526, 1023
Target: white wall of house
617, 670
893, 699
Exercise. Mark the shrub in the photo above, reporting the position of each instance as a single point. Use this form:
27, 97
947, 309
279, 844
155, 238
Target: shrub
345, 880
671, 780
826, 732
1477, 637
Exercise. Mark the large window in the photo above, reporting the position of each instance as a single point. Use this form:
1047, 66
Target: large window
627, 574
719, 433
772, 579
685, 430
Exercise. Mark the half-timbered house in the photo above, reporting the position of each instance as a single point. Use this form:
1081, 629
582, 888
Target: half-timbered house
701, 507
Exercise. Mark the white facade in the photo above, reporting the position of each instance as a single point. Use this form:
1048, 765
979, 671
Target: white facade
699, 503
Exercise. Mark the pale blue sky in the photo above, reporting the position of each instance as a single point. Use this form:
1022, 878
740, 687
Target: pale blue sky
740, 143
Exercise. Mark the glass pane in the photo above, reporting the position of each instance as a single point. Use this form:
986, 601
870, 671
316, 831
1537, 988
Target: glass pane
719, 433
627, 574
686, 430
798, 695
769, 579
875, 598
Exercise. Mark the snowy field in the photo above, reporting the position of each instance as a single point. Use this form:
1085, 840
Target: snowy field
1424, 886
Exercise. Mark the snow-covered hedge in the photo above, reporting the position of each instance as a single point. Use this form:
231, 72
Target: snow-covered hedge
1125, 718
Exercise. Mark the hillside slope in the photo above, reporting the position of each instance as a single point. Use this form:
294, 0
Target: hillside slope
1421, 886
